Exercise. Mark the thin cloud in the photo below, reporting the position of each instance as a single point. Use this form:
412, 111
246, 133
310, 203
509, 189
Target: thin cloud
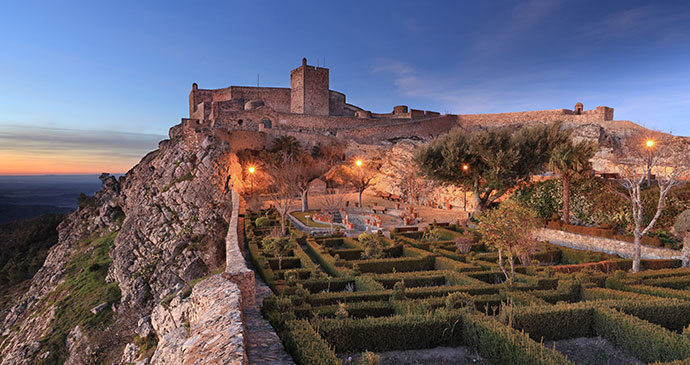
524, 16
44, 140
667, 22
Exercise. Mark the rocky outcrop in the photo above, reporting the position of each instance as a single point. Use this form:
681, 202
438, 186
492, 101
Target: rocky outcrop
205, 328
171, 213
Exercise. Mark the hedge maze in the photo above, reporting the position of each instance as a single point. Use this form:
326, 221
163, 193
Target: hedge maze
424, 292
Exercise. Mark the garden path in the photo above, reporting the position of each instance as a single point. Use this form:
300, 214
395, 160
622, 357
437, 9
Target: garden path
263, 344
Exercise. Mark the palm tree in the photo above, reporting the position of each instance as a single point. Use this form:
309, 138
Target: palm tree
288, 146
569, 160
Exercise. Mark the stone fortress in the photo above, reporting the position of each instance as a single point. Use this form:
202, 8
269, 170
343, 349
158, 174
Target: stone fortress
309, 110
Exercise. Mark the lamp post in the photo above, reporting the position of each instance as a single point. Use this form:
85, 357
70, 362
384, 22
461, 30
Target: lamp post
358, 163
251, 170
649, 144
465, 168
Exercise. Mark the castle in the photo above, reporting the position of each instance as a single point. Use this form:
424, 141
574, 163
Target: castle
309, 109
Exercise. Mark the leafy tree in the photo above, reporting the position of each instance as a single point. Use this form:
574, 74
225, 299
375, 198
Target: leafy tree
489, 162
570, 160
286, 146
278, 247
508, 229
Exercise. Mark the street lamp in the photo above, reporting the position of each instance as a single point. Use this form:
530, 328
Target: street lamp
465, 168
251, 170
650, 144
358, 163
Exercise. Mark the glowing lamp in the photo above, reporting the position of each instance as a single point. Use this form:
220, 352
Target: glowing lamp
251, 169
465, 167
358, 162
650, 143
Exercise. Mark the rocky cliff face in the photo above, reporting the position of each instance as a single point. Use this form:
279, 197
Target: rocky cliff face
142, 238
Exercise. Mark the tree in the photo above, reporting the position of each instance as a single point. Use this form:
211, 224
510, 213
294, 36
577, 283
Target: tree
308, 169
358, 174
509, 229
286, 146
682, 228
278, 247
570, 160
489, 162
284, 186
638, 158
411, 184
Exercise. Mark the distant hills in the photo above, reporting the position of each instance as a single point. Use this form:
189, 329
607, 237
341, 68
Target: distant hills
23, 197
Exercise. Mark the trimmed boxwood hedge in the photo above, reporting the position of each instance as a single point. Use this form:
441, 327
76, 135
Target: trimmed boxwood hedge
393, 333
306, 346
504, 345
647, 341
551, 322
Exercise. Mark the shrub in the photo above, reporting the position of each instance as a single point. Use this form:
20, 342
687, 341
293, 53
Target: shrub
458, 300
399, 290
369, 358
262, 222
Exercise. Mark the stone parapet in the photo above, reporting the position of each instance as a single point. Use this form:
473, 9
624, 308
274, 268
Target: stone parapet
600, 244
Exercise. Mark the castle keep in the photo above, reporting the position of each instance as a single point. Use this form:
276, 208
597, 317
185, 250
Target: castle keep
309, 109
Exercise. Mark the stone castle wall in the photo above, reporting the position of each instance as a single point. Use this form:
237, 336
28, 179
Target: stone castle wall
598, 115
426, 128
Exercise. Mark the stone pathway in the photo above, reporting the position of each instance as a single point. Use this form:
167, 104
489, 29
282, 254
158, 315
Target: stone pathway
263, 344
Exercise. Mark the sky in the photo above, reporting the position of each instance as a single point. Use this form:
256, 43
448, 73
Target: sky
88, 87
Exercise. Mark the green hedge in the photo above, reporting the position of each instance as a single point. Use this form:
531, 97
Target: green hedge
551, 322
444, 263
357, 309
675, 282
504, 345
400, 264
328, 284
647, 341
366, 282
393, 333
324, 259
306, 346
659, 292
411, 281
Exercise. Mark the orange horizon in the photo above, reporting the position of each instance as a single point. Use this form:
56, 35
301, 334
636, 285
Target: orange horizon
61, 164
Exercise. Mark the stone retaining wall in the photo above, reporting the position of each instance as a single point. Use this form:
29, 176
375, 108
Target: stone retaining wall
236, 269
600, 244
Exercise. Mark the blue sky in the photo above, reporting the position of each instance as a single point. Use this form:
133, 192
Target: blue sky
101, 82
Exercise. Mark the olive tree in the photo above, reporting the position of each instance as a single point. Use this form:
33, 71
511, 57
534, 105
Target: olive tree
489, 162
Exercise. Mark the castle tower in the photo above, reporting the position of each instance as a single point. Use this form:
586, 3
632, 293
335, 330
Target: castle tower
309, 90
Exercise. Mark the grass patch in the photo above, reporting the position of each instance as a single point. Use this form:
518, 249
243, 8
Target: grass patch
185, 177
84, 288
301, 216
